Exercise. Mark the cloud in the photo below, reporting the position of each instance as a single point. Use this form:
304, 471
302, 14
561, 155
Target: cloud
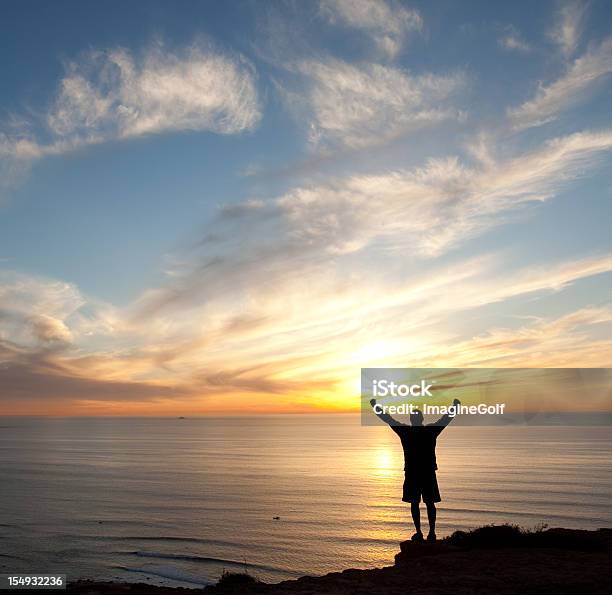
358, 105
320, 272
321, 326
530, 280
281, 296
415, 322
564, 342
268, 247
568, 25
52, 345
37, 311
17, 152
25, 296
40, 376
116, 95
317, 329
386, 22
49, 329
580, 76
513, 41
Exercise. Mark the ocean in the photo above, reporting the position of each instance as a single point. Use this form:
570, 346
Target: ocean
178, 501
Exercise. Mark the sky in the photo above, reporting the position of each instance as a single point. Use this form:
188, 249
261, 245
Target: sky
230, 208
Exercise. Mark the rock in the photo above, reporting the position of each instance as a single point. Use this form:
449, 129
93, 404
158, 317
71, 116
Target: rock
410, 550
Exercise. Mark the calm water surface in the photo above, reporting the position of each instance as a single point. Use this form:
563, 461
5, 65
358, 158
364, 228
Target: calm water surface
177, 501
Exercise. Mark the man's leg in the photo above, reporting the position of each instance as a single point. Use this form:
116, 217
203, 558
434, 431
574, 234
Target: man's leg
431, 517
416, 519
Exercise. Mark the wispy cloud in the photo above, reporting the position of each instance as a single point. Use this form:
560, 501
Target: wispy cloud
50, 330
512, 40
567, 341
422, 212
358, 105
40, 379
306, 270
115, 95
568, 90
387, 22
34, 309
568, 25
325, 325
301, 336
38, 312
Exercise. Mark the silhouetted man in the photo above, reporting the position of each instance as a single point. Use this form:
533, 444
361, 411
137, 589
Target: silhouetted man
419, 444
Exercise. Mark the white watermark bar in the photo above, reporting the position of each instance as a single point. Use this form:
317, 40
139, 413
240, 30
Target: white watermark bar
487, 396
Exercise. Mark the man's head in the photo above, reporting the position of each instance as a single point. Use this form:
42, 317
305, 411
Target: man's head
416, 418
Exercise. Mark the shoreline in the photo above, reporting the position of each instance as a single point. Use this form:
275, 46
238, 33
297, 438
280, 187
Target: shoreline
492, 559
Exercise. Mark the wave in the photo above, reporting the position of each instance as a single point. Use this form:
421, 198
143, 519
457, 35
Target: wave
173, 538
204, 559
170, 574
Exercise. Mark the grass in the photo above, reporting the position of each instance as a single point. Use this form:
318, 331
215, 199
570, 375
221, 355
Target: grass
235, 582
505, 536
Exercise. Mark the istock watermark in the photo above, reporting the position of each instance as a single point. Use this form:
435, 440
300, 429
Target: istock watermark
488, 396
384, 388
451, 410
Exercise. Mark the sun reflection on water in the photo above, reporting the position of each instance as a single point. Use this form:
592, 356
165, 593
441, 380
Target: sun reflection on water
384, 462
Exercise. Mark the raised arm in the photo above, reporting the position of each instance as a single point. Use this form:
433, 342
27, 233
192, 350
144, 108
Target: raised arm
446, 419
385, 416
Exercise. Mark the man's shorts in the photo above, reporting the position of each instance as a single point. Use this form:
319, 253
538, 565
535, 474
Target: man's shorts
421, 485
